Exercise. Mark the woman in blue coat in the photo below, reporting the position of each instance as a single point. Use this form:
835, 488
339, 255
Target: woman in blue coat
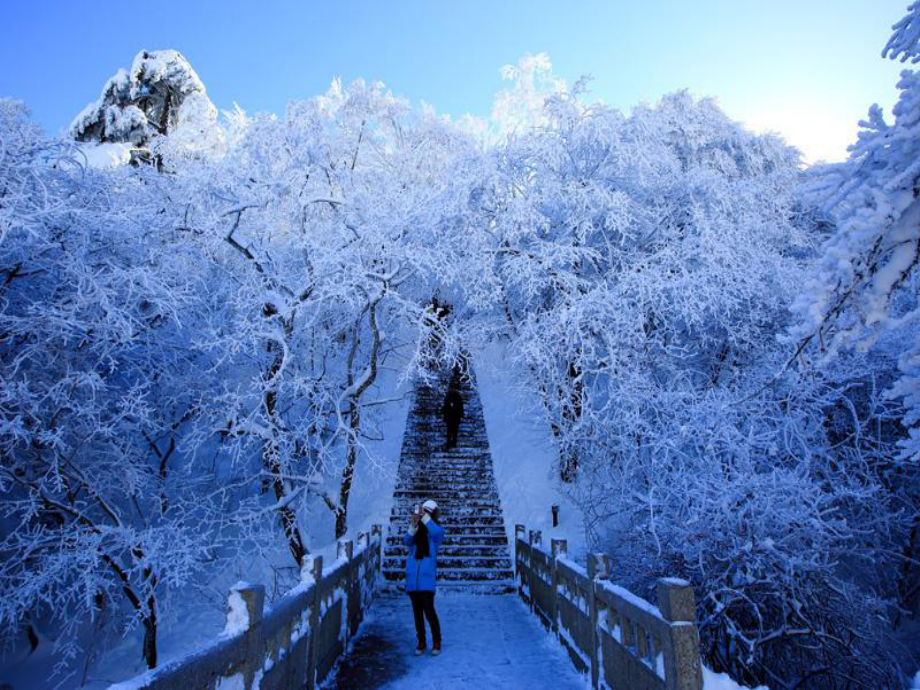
423, 539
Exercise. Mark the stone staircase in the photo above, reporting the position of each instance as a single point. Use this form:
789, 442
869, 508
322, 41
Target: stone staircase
475, 554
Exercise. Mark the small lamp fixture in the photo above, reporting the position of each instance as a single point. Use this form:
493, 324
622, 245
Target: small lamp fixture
555, 515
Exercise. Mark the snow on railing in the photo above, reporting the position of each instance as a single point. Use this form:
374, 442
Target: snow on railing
621, 639
293, 645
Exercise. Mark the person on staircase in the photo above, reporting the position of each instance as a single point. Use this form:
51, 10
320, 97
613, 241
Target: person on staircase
423, 539
452, 410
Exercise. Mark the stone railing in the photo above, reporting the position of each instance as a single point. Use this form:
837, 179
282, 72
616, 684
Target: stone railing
620, 639
296, 643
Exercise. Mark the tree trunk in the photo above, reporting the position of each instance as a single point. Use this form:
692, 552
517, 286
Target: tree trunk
271, 459
288, 515
354, 421
341, 514
150, 635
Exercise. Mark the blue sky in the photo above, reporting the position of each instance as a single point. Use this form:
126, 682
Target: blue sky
806, 68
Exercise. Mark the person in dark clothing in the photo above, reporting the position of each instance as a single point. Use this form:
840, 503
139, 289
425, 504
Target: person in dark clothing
452, 410
423, 539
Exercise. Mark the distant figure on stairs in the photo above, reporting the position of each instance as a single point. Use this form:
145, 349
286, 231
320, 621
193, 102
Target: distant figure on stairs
423, 539
452, 411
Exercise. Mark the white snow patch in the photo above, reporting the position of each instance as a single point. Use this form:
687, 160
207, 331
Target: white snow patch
234, 682
523, 455
238, 614
108, 155
722, 681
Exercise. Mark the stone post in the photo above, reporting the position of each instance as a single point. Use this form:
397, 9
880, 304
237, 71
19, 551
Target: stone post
313, 658
345, 550
377, 537
247, 619
253, 597
559, 550
519, 533
598, 569
363, 543
683, 669
535, 538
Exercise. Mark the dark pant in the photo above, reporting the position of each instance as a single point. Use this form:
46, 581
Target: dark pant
453, 426
423, 607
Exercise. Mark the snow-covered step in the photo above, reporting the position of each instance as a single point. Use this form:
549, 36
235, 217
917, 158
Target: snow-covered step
481, 501
436, 456
428, 465
455, 518
451, 513
446, 494
425, 460
425, 466
461, 454
472, 472
455, 563
451, 509
457, 551
457, 574
484, 531
460, 539
432, 422
455, 491
445, 479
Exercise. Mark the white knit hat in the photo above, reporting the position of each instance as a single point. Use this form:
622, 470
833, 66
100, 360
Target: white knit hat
430, 506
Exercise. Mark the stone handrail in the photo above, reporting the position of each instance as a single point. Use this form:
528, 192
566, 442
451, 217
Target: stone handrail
621, 639
293, 645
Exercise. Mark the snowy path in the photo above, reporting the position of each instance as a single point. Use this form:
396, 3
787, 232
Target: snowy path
490, 643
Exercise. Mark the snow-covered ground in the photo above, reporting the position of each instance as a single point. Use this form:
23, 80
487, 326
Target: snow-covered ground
523, 455
722, 681
490, 642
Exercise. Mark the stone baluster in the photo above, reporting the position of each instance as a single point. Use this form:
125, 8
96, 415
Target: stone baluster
683, 669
